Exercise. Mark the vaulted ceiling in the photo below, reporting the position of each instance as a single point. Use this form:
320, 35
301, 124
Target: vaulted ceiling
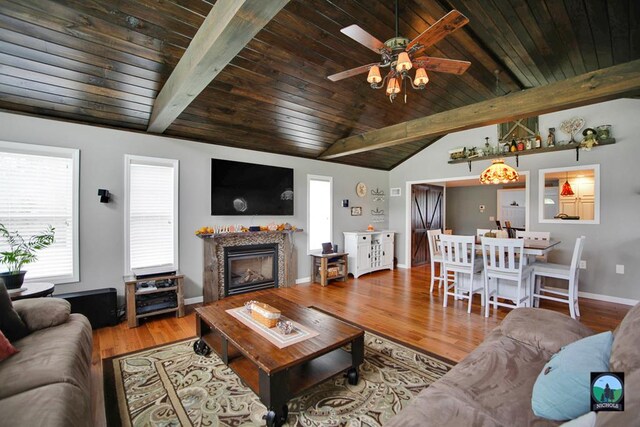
105, 61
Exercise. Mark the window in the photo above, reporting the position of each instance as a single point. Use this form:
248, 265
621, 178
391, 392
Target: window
319, 211
151, 213
38, 188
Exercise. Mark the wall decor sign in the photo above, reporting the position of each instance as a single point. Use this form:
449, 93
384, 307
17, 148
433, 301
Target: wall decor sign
361, 189
356, 211
378, 195
395, 192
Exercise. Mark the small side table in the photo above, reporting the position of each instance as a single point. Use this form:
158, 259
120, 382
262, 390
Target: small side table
32, 290
321, 263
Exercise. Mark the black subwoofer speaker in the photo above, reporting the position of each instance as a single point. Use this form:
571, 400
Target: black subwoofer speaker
99, 305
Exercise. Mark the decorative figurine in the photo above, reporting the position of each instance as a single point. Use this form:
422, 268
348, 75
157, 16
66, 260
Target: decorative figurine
520, 145
551, 139
589, 139
528, 144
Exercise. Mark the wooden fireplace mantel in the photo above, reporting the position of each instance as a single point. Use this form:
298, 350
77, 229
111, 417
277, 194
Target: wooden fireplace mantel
214, 244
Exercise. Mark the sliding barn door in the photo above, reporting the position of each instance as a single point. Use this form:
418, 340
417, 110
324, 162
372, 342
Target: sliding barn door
426, 214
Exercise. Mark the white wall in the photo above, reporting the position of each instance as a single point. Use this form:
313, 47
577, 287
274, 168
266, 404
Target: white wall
616, 240
102, 153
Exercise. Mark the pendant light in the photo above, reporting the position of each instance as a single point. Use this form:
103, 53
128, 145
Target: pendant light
498, 173
374, 75
566, 187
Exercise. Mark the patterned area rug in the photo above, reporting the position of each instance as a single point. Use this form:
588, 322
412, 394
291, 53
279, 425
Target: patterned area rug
172, 386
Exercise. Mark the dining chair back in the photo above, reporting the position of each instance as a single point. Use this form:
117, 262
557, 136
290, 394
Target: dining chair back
459, 259
506, 276
433, 239
535, 235
569, 273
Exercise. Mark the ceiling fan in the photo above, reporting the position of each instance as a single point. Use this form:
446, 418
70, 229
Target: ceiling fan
402, 54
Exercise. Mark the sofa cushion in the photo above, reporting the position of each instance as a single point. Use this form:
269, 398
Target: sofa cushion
40, 313
6, 349
61, 354
563, 389
53, 405
544, 329
10, 323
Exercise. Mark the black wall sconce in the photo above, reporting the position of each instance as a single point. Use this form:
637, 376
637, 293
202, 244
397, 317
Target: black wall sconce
104, 195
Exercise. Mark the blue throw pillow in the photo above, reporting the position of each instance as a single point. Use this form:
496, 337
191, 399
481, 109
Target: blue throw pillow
562, 390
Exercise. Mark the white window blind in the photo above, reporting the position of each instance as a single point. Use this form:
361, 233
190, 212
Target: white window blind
319, 211
38, 188
152, 212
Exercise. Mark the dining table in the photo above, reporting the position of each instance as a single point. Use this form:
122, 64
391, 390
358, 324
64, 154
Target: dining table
532, 248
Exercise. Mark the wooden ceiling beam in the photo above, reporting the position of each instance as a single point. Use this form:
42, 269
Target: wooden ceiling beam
588, 88
230, 25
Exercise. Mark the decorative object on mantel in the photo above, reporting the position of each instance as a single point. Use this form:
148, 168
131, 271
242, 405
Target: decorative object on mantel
571, 126
498, 173
225, 229
400, 55
361, 189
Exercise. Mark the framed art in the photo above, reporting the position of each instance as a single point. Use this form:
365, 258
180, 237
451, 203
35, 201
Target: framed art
356, 211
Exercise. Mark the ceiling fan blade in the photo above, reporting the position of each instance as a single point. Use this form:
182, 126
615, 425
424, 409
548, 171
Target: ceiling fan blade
445, 26
350, 73
362, 37
442, 65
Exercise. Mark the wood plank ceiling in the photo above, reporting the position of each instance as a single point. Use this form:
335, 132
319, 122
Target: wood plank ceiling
104, 62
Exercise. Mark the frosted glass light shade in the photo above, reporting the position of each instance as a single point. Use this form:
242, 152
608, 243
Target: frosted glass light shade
404, 63
421, 77
374, 75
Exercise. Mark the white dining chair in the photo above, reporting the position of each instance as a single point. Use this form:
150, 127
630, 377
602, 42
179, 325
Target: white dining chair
459, 259
506, 277
433, 237
560, 271
535, 235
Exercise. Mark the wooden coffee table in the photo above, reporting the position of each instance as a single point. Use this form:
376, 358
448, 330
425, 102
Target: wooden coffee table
277, 375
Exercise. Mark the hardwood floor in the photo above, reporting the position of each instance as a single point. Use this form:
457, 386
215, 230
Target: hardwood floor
394, 303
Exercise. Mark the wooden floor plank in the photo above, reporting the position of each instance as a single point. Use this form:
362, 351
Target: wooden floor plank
392, 303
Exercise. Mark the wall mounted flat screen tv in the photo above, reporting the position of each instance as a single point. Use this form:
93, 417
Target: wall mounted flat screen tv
239, 188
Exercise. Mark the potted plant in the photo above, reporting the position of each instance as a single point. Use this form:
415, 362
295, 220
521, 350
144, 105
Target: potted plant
20, 252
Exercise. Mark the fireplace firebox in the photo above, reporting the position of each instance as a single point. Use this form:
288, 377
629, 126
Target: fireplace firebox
250, 267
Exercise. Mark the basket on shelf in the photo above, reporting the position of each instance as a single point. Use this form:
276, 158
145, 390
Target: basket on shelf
265, 314
333, 271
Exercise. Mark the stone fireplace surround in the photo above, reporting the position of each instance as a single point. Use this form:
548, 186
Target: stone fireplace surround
214, 244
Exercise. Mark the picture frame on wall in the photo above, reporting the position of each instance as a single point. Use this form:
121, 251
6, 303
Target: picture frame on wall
356, 211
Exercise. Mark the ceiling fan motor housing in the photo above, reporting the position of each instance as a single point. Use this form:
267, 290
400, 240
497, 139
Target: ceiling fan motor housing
397, 44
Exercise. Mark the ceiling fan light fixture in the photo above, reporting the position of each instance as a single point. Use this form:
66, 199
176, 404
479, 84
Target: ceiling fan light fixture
404, 62
421, 78
498, 173
393, 86
374, 75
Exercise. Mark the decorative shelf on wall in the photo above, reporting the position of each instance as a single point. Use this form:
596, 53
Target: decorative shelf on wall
517, 154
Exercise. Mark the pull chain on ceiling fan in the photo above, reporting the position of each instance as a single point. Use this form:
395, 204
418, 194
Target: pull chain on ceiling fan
401, 54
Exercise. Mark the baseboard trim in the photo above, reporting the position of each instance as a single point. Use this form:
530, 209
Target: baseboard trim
402, 266
600, 297
194, 300
303, 280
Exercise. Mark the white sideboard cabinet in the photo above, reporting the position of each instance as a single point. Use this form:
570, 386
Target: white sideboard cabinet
369, 251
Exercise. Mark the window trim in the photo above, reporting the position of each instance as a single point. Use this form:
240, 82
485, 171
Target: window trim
74, 155
328, 179
154, 161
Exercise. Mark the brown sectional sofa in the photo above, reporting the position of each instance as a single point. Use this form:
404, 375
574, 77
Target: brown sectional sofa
492, 386
48, 382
